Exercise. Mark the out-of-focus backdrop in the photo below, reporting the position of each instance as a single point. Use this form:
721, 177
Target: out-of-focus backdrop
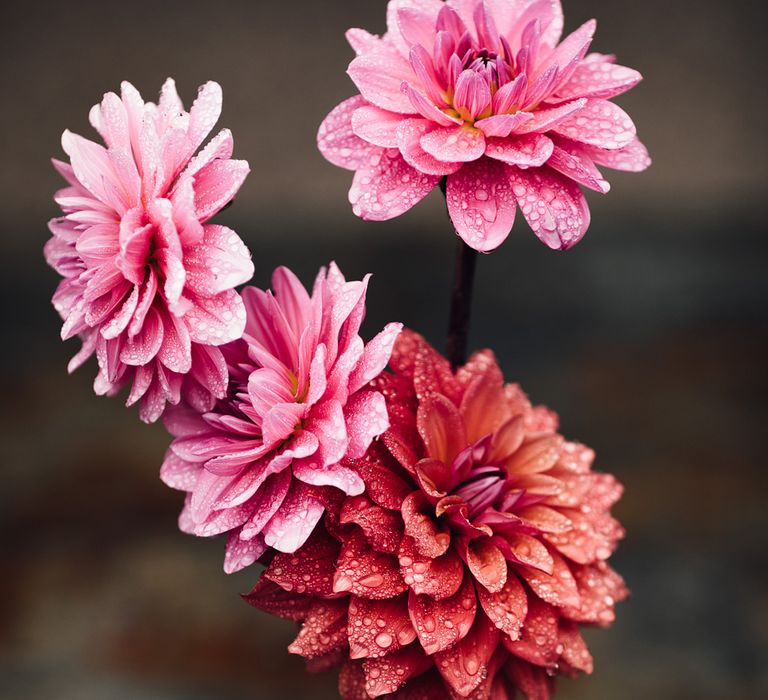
649, 338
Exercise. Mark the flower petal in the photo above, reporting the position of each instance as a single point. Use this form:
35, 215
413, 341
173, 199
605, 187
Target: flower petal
338, 142
554, 206
454, 144
481, 204
388, 187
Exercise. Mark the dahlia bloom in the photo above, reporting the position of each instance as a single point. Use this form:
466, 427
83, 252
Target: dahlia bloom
483, 93
477, 551
265, 462
148, 283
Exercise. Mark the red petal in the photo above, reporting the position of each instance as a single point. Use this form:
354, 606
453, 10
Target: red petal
487, 563
273, 599
484, 408
507, 608
575, 652
420, 525
559, 588
600, 588
364, 572
383, 528
310, 570
378, 627
387, 674
324, 631
464, 666
533, 682
438, 578
385, 482
441, 427
442, 623
352, 682
539, 641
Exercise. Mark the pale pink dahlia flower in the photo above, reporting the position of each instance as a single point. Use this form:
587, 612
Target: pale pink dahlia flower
483, 93
266, 461
148, 284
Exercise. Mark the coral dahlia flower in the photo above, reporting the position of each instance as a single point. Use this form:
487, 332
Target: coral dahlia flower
476, 553
265, 462
148, 283
483, 93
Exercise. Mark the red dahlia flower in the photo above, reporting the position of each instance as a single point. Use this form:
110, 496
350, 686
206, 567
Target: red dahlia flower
477, 551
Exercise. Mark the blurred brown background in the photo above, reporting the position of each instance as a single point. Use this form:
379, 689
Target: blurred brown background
649, 338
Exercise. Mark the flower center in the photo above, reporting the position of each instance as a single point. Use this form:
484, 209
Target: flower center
476, 482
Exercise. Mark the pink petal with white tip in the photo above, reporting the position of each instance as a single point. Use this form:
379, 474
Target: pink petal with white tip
481, 204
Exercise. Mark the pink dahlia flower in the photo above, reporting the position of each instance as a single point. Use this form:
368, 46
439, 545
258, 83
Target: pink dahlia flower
148, 284
476, 554
483, 93
265, 462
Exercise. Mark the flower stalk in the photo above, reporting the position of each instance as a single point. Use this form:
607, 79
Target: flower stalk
461, 300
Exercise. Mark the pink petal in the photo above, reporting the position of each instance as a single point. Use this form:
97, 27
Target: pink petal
376, 126
631, 158
362, 41
600, 123
426, 108
220, 262
502, 124
216, 320
473, 95
375, 357
579, 169
412, 22
421, 62
388, 187
481, 204
216, 185
528, 151
456, 144
545, 119
204, 114
141, 349
378, 76
409, 134
366, 419
336, 139
554, 206
241, 554
599, 79
518, 15
290, 527
569, 52
176, 350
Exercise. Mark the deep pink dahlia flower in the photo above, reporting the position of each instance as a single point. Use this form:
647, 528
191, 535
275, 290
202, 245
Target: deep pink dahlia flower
483, 93
264, 463
476, 554
148, 284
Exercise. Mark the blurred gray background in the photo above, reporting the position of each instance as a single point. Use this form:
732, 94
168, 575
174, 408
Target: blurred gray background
649, 339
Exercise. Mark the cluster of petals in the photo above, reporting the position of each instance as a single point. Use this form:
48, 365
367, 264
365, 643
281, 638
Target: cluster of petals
266, 461
148, 284
473, 558
483, 95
